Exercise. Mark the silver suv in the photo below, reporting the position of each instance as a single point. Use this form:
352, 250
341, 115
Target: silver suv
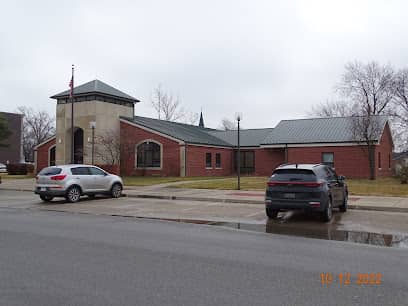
73, 181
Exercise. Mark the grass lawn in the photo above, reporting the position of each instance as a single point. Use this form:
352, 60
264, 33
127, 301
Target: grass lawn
379, 187
5, 176
155, 180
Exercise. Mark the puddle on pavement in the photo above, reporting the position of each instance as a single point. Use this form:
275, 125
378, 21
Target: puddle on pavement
310, 229
327, 233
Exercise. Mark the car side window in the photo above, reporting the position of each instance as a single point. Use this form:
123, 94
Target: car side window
80, 171
331, 174
322, 173
96, 171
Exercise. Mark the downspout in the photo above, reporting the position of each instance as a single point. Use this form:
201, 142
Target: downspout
185, 159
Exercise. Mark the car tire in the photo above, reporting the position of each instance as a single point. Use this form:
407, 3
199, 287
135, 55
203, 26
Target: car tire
73, 194
271, 213
46, 198
328, 211
116, 190
344, 206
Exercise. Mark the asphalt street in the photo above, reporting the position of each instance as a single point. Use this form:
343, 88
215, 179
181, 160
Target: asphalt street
59, 258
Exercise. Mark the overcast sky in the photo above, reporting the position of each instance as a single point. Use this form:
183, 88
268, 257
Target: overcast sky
270, 60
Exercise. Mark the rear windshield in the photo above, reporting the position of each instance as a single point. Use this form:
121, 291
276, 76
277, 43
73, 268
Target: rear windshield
289, 175
50, 171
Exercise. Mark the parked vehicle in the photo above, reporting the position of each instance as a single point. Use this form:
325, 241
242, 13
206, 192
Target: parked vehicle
73, 181
311, 187
3, 168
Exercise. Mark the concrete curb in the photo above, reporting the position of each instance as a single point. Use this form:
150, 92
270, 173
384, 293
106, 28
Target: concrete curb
233, 201
237, 201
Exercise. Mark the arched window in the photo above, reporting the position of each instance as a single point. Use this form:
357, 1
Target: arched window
148, 155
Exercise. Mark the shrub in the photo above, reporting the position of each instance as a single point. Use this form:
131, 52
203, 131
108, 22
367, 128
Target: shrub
20, 169
402, 173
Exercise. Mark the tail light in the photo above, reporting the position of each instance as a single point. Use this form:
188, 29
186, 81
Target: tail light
58, 177
304, 184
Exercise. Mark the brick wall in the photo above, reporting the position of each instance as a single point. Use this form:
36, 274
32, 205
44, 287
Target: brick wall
266, 160
351, 161
12, 152
42, 154
131, 135
384, 152
196, 161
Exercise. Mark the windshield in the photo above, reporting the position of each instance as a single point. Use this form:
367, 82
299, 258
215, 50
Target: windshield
289, 175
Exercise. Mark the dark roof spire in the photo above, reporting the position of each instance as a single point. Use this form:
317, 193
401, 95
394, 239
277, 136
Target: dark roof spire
201, 124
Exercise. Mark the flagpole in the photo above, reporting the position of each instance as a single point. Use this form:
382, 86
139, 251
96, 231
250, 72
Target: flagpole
72, 116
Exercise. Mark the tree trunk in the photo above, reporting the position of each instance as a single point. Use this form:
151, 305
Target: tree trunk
371, 160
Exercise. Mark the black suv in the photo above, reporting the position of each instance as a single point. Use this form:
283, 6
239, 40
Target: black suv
308, 187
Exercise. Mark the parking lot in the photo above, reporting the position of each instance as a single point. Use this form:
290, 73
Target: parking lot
231, 215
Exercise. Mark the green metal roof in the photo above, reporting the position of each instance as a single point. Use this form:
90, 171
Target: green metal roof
318, 130
185, 132
301, 131
98, 87
248, 138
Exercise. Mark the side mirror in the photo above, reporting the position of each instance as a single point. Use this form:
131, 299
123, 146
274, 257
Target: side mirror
341, 177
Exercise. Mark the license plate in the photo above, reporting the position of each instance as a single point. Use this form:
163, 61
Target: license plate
289, 195
43, 189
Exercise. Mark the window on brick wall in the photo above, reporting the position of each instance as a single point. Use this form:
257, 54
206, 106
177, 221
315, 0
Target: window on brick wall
379, 160
328, 159
217, 160
208, 163
247, 161
389, 160
148, 155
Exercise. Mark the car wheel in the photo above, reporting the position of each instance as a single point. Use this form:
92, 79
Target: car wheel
116, 190
328, 211
343, 207
272, 213
73, 194
46, 198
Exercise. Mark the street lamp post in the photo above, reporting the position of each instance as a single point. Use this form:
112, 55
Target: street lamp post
92, 125
238, 117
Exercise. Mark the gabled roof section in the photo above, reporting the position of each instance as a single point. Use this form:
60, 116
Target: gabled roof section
318, 130
97, 87
188, 133
248, 138
399, 155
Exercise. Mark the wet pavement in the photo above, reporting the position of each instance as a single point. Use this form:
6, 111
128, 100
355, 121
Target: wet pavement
388, 229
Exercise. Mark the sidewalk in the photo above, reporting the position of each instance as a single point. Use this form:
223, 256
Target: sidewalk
165, 191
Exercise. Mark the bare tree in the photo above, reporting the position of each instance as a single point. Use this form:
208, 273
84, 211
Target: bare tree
370, 87
107, 147
166, 105
367, 90
332, 109
4, 131
191, 118
401, 96
37, 127
227, 125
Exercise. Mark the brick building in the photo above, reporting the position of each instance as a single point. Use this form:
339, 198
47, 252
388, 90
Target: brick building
13, 151
163, 148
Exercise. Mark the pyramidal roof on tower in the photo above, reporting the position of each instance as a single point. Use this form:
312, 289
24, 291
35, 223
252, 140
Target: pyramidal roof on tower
201, 124
99, 87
